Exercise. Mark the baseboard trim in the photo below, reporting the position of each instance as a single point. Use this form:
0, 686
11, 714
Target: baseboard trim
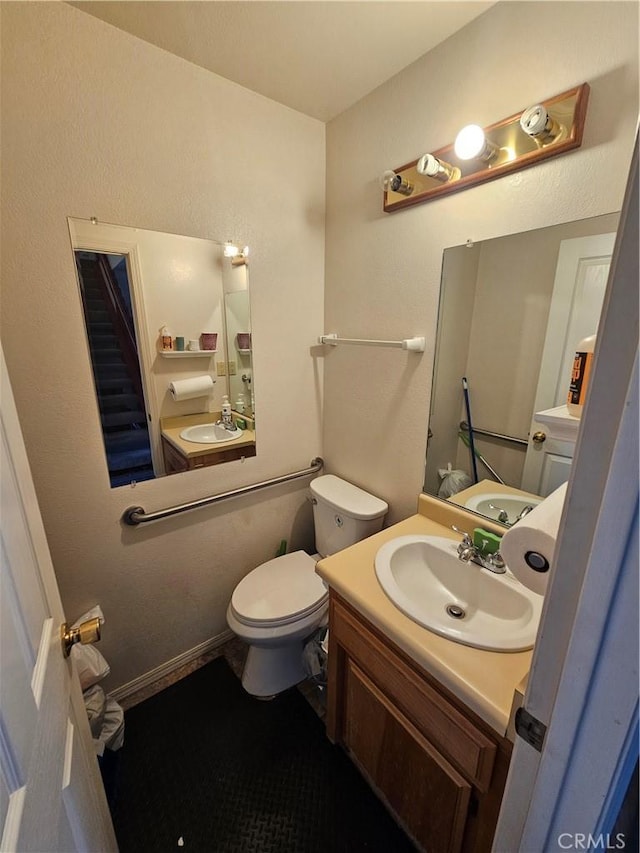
169, 666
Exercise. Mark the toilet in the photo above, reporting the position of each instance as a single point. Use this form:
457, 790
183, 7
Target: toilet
281, 602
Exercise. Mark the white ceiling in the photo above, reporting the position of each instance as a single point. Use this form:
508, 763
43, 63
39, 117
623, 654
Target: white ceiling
316, 56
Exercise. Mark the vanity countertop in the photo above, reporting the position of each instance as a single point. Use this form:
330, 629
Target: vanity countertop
489, 487
173, 426
485, 681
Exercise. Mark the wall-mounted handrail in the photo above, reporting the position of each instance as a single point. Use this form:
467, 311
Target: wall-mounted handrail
135, 515
464, 426
412, 344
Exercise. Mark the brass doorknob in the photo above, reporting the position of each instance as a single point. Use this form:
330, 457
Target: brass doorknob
87, 632
539, 437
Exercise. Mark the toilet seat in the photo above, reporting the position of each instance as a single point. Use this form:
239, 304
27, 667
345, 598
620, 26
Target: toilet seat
279, 592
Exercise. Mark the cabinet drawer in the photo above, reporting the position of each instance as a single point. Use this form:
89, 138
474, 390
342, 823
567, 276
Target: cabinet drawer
426, 793
452, 734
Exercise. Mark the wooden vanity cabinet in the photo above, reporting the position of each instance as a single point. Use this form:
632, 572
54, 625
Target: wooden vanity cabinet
438, 767
175, 462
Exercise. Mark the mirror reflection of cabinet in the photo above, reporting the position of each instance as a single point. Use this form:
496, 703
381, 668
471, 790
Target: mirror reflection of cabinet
174, 282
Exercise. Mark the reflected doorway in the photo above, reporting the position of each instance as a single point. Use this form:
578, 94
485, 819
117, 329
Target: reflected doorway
113, 347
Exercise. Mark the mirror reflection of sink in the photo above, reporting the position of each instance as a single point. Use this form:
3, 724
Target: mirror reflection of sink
209, 433
425, 579
511, 504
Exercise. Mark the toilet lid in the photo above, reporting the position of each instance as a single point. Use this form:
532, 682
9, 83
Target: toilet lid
279, 591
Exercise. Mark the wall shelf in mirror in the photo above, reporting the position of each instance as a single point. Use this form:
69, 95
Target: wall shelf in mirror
188, 353
546, 129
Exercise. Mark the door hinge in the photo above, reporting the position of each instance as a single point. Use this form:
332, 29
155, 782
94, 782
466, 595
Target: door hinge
530, 729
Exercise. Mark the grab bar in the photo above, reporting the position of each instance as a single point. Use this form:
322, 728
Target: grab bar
464, 426
135, 515
412, 344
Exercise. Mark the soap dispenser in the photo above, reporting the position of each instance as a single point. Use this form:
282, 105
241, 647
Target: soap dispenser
240, 405
226, 409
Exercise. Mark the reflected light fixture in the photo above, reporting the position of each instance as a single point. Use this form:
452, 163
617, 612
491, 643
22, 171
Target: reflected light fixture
538, 124
437, 169
472, 144
241, 259
391, 182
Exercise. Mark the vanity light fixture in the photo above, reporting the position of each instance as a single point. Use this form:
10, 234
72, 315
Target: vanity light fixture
479, 154
472, 144
437, 169
230, 251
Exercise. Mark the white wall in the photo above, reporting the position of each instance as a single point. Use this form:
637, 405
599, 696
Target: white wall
98, 123
383, 270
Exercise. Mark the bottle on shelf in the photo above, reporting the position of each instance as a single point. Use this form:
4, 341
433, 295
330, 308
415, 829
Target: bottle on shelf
580, 375
166, 340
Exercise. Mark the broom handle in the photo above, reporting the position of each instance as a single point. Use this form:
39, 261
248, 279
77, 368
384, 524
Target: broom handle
474, 465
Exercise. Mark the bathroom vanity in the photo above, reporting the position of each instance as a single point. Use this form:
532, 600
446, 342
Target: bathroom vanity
425, 719
181, 455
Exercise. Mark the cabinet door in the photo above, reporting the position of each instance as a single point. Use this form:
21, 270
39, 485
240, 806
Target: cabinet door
428, 796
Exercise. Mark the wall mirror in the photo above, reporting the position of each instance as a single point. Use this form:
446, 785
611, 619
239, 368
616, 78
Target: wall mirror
168, 329
511, 312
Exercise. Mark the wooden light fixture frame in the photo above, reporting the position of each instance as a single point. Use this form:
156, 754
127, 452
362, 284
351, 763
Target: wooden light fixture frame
518, 151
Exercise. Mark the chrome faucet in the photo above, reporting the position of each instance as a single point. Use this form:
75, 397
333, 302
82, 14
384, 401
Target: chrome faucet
469, 553
503, 516
227, 422
524, 511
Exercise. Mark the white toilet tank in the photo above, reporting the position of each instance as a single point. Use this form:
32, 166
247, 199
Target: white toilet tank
343, 514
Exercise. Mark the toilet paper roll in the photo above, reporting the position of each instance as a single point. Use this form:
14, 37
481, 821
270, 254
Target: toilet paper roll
187, 389
527, 547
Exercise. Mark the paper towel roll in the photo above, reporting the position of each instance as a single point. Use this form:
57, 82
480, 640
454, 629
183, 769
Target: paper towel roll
187, 389
527, 547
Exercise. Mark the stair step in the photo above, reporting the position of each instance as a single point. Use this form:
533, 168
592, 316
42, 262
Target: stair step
113, 419
127, 459
137, 475
110, 371
107, 356
119, 383
122, 402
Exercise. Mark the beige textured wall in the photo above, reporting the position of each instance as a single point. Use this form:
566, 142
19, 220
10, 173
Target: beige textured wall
98, 123
383, 270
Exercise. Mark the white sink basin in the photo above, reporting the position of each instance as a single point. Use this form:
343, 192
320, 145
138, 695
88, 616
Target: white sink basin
209, 434
425, 579
511, 504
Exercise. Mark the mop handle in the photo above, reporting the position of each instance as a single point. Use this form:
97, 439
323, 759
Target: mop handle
474, 464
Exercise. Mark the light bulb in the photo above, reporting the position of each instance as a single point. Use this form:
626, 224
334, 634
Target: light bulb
230, 251
537, 123
437, 169
472, 144
391, 182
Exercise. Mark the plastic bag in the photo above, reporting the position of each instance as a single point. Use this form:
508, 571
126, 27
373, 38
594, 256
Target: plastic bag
315, 655
112, 732
95, 703
452, 481
90, 664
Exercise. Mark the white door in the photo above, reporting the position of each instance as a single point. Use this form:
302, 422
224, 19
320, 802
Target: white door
576, 305
583, 683
51, 793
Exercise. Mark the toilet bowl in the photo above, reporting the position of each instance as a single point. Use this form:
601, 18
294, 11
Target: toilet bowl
274, 608
279, 604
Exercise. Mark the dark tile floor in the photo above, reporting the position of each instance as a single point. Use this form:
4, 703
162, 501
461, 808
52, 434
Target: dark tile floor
207, 767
